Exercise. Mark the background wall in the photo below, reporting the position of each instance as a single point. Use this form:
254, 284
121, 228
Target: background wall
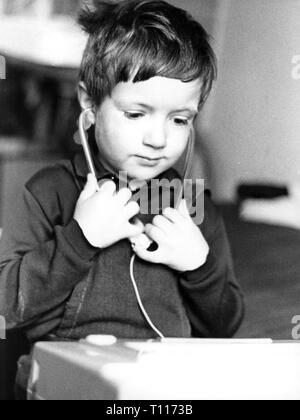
212, 15
250, 129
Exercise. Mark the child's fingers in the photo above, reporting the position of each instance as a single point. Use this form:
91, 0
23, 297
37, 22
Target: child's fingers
132, 209
124, 195
108, 187
141, 241
134, 230
137, 223
152, 257
173, 215
89, 189
183, 209
163, 224
154, 233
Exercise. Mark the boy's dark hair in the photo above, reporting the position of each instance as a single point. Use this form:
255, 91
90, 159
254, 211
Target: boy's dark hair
140, 39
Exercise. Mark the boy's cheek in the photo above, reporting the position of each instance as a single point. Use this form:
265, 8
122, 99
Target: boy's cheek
179, 141
177, 152
120, 136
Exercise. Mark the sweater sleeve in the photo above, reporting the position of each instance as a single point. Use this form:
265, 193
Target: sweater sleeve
40, 263
212, 296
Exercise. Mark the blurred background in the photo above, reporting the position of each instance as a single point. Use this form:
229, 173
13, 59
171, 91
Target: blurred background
248, 147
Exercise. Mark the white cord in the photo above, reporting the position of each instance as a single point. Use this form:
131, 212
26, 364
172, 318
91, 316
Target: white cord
187, 170
142, 308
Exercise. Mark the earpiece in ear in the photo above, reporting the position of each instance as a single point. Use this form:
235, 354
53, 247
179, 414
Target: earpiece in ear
88, 119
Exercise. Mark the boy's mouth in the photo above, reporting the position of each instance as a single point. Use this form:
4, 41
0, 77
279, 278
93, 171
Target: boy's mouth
147, 161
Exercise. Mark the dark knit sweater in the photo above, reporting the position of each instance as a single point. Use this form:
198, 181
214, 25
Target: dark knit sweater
53, 282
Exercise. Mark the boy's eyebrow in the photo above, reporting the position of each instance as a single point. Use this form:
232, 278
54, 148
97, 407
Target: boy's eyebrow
193, 112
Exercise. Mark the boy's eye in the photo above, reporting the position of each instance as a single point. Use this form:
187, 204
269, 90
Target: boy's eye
133, 115
181, 121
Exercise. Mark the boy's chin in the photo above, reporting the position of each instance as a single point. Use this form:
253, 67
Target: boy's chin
145, 174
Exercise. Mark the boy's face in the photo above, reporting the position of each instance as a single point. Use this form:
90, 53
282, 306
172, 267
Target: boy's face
143, 128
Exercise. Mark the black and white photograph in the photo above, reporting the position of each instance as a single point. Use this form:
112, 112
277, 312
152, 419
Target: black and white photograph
149, 203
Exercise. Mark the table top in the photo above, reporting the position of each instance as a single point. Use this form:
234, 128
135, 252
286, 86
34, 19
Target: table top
175, 370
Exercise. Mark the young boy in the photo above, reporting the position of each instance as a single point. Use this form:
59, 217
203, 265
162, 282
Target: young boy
64, 264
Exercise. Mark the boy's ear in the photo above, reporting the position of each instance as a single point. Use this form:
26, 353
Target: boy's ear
84, 98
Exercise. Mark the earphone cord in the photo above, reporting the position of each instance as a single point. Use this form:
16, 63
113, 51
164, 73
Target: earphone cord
139, 300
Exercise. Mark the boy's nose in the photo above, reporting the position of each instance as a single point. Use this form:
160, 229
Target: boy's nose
156, 137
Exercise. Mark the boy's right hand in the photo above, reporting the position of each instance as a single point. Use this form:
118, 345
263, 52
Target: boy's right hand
104, 215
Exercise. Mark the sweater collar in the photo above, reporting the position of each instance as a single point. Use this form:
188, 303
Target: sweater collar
82, 169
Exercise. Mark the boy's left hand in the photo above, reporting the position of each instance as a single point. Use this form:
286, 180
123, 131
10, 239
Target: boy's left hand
181, 245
